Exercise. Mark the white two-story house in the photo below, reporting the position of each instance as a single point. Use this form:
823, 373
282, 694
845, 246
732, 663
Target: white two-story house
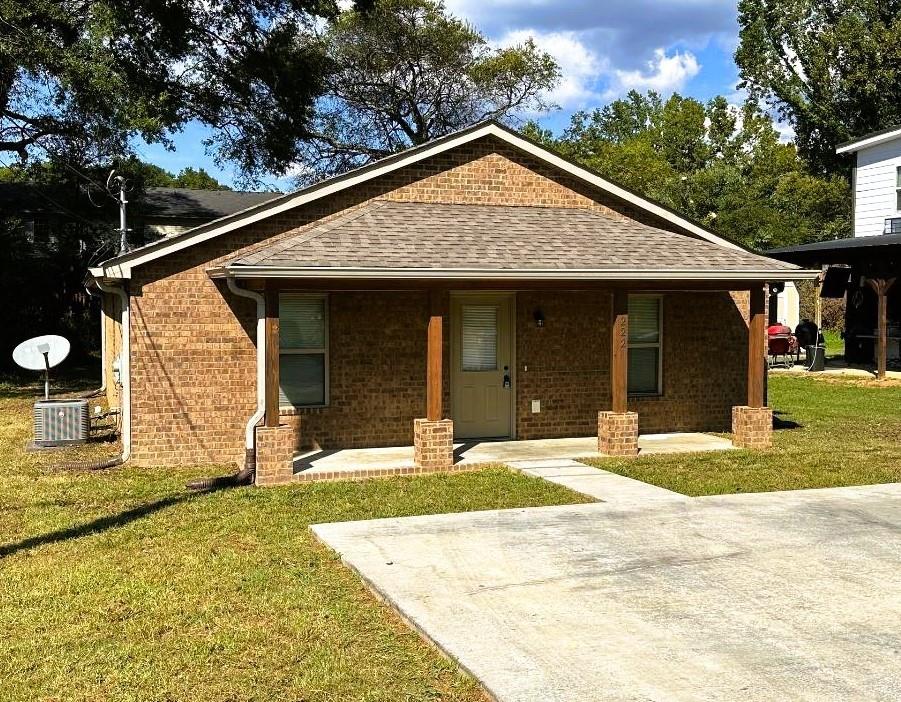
865, 266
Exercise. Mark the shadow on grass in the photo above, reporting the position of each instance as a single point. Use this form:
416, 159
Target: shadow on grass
781, 422
101, 524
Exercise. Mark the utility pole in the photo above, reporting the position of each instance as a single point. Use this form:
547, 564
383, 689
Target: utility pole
119, 182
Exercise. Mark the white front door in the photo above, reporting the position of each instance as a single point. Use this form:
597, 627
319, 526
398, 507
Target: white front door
482, 377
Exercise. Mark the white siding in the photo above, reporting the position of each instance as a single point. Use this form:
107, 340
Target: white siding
874, 189
788, 309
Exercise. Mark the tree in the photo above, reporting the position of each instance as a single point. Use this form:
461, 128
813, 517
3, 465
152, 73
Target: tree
80, 79
148, 175
832, 69
197, 179
407, 72
715, 163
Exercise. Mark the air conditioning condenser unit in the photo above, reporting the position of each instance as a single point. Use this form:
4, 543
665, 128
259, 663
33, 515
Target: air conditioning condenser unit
61, 422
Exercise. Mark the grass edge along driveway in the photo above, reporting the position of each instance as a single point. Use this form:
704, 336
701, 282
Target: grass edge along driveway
121, 585
830, 433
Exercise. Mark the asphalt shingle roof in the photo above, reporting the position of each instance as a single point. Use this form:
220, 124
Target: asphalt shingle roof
198, 204
389, 234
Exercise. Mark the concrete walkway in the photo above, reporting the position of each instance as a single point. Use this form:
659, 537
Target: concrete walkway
758, 597
600, 484
361, 462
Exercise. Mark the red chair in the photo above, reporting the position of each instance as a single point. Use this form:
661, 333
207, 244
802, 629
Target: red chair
781, 346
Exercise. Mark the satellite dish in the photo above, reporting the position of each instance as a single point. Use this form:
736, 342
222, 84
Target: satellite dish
42, 353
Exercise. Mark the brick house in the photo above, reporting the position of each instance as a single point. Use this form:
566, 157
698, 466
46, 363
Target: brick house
476, 287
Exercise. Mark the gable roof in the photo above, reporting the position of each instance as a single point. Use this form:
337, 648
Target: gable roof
868, 140
121, 266
187, 203
418, 239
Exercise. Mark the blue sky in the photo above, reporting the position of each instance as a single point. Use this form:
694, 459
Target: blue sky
604, 47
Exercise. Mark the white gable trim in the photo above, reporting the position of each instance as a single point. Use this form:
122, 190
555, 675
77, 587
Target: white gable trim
865, 143
120, 267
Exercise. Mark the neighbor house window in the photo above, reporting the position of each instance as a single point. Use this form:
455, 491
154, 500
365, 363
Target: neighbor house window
645, 347
303, 350
898, 188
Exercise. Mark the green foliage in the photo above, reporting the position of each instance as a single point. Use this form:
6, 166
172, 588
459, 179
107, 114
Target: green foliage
197, 179
80, 79
832, 69
722, 166
406, 72
148, 175
42, 277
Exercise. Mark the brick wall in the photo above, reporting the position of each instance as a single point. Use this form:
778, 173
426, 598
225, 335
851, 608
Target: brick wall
705, 364
193, 358
377, 370
566, 364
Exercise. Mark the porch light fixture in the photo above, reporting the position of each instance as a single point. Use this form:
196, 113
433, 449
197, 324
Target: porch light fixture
538, 316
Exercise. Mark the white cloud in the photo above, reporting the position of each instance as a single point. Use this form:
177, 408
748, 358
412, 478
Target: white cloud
665, 74
580, 67
786, 131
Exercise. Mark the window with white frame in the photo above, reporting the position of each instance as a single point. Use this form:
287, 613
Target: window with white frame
898, 188
303, 350
645, 345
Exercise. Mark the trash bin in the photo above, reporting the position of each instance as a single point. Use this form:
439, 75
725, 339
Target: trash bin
816, 358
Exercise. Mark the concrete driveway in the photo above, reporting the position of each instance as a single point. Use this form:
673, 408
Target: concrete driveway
773, 596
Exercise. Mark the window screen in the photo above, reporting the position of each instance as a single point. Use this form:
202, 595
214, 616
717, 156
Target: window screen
479, 329
301, 322
898, 188
645, 331
303, 350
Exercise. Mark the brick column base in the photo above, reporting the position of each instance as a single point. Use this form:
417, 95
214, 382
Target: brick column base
433, 444
275, 451
752, 427
618, 433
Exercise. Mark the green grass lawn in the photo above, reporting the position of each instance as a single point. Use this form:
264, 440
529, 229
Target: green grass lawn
834, 433
121, 585
835, 345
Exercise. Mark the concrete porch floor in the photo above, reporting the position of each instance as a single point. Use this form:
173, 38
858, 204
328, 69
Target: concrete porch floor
356, 462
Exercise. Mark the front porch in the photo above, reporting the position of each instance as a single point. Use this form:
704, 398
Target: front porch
348, 464
557, 367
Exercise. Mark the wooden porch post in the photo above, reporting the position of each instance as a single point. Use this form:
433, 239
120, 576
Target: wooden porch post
619, 352
272, 356
756, 347
881, 286
434, 364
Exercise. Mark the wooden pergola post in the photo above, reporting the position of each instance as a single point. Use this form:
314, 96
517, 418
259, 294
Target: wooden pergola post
757, 347
434, 366
619, 352
881, 286
272, 356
